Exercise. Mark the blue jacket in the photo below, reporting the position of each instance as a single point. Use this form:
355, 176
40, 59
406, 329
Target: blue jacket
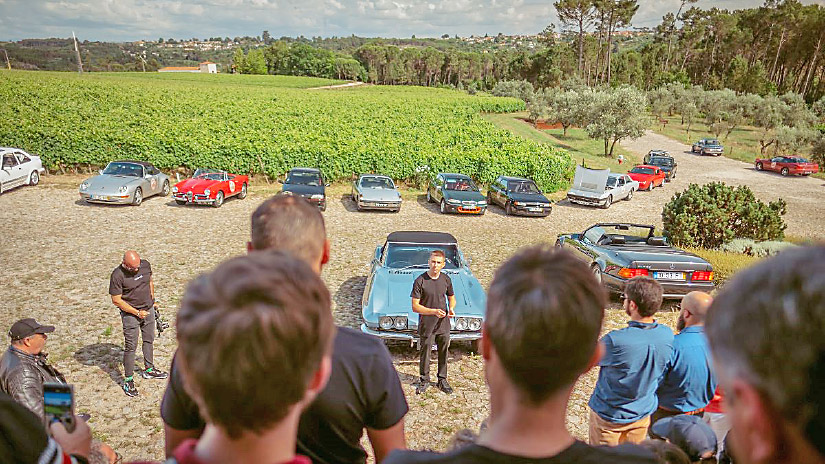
689, 381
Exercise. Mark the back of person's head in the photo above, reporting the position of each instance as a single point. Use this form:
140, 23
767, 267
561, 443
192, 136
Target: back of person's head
289, 223
252, 335
767, 334
690, 433
666, 453
544, 313
646, 293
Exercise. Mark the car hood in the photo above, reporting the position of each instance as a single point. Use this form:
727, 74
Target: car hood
195, 185
390, 294
652, 257
304, 190
379, 194
107, 183
590, 180
463, 195
641, 177
528, 197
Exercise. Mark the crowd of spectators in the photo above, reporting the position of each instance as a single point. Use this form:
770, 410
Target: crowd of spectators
259, 327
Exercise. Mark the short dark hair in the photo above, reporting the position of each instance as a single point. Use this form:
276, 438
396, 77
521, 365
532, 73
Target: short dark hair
255, 328
544, 313
646, 293
766, 327
438, 253
289, 223
666, 453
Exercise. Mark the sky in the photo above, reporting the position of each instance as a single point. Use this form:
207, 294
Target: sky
131, 20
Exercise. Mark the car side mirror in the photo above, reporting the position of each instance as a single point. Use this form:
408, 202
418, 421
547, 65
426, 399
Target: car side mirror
377, 255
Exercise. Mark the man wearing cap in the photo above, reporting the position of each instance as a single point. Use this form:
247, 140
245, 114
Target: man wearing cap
23, 367
133, 292
690, 433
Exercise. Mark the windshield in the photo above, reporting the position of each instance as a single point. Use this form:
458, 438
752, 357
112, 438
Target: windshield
522, 187
304, 178
124, 169
210, 174
797, 160
459, 183
642, 171
400, 255
631, 234
377, 182
661, 161
711, 142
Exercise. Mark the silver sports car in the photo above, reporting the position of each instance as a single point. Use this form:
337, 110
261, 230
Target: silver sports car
125, 182
372, 191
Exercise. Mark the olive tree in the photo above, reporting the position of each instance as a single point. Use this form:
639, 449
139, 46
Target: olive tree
566, 108
615, 114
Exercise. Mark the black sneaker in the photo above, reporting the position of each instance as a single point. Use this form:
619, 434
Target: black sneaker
444, 386
422, 387
129, 388
153, 374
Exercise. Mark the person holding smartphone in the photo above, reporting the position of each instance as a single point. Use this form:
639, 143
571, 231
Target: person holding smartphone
430, 293
133, 292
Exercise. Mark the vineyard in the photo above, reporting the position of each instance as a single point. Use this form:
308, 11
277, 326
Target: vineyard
266, 124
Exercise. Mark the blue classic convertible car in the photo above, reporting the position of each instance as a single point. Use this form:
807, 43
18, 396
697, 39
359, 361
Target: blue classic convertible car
386, 306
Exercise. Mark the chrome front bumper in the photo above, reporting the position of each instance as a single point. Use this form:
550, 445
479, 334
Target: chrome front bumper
413, 338
106, 199
379, 205
193, 200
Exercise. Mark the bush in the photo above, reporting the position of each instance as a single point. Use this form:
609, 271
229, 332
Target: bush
517, 89
710, 215
725, 264
752, 248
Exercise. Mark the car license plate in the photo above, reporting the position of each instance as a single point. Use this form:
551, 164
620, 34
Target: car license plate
669, 275
99, 197
535, 210
381, 204
469, 208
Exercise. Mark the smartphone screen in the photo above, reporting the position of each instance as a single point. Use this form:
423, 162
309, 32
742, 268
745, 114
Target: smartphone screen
58, 400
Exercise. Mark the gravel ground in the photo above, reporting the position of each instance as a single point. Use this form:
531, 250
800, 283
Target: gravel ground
58, 254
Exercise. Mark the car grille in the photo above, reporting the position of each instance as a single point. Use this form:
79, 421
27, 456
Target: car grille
468, 203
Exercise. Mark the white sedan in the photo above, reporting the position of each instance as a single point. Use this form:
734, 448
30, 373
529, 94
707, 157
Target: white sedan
19, 168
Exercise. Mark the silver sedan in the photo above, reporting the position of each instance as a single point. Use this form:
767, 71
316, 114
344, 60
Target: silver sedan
372, 191
125, 182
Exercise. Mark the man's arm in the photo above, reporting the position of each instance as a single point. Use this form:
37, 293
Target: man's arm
152, 287
126, 307
417, 307
384, 441
26, 387
452, 305
174, 437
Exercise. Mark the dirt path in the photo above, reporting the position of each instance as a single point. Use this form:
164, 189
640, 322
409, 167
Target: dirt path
804, 195
337, 86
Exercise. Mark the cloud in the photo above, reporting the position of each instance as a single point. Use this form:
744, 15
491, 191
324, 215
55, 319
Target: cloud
126, 20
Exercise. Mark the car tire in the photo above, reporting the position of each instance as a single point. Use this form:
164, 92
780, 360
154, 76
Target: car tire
475, 346
397, 210
244, 191
483, 210
180, 202
165, 191
357, 204
597, 272
629, 195
784, 172
759, 166
324, 206
137, 198
508, 208
489, 199
34, 178
429, 197
218, 199
608, 202
443, 207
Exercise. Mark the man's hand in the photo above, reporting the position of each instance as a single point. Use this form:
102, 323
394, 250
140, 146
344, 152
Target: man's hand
440, 313
78, 442
142, 314
452, 313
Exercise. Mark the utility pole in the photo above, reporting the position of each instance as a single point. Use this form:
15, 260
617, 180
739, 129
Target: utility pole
77, 52
8, 64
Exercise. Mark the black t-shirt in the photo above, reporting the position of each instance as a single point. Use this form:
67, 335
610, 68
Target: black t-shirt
363, 391
431, 293
577, 453
134, 288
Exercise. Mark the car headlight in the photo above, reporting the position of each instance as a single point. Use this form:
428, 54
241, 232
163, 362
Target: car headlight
317, 196
206, 192
84, 185
453, 202
400, 323
461, 323
474, 324
123, 189
175, 189
518, 203
482, 203
286, 192
385, 322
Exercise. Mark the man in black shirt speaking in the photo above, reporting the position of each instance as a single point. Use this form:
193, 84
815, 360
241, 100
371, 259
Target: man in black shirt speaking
133, 292
430, 293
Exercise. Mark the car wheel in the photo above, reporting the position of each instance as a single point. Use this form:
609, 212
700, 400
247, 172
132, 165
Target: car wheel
443, 207
34, 179
180, 202
629, 195
218, 200
166, 189
324, 207
508, 208
597, 272
398, 210
475, 346
673, 176
759, 166
244, 191
483, 210
489, 199
784, 172
357, 204
137, 199
429, 197
608, 202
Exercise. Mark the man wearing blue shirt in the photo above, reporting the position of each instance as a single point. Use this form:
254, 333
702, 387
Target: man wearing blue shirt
689, 382
631, 369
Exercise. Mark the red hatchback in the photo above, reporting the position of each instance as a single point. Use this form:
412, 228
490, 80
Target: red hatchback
210, 187
787, 165
647, 176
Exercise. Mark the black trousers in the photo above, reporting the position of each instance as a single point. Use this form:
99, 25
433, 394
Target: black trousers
442, 342
131, 326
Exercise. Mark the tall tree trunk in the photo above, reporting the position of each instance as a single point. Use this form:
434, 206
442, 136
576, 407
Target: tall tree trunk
776, 57
581, 46
813, 63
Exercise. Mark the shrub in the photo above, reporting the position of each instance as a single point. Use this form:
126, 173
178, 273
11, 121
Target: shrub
725, 264
713, 214
752, 248
516, 89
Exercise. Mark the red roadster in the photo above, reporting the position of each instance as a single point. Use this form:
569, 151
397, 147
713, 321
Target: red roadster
787, 165
647, 176
210, 187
